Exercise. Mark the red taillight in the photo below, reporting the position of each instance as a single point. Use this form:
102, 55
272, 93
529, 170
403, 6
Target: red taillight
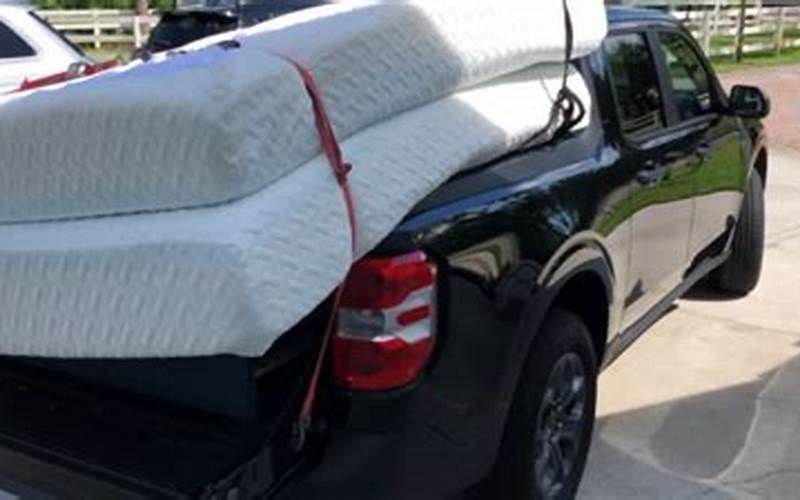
386, 327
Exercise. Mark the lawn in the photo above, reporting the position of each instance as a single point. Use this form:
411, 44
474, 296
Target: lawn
725, 64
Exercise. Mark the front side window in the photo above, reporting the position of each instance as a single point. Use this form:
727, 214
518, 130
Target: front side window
635, 83
12, 46
690, 81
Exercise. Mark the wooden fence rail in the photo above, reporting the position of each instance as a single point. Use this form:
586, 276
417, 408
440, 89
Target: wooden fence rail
99, 27
766, 29
715, 23
724, 28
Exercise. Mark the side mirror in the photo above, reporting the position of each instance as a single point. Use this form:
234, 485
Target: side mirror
749, 102
76, 69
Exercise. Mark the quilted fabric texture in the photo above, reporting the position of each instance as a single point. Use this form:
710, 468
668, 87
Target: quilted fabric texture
233, 278
228, 225
215, 124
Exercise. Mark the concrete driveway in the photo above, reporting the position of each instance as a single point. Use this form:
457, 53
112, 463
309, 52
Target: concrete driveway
707, 404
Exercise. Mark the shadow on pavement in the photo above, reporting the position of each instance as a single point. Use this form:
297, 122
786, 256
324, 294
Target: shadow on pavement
703, 292
737, 442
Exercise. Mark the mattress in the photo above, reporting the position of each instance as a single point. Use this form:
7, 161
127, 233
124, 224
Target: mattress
232, 278
202, 277
216, 123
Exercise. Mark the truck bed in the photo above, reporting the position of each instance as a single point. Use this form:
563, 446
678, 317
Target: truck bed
144, 428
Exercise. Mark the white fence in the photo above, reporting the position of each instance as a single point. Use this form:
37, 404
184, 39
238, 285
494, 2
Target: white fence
99, 27
724, 28
721, 26
763, 29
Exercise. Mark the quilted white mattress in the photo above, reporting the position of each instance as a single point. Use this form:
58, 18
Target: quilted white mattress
214, 124
231, 278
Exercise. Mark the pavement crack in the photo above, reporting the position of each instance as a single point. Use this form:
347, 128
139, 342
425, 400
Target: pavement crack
748, 440
762, 477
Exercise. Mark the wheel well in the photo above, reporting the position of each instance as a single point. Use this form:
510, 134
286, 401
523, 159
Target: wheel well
761, 165
585, 295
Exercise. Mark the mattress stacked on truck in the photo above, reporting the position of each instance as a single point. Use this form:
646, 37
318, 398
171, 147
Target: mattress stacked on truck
181, 207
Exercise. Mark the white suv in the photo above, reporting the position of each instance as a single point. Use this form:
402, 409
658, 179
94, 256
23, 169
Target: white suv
30, 48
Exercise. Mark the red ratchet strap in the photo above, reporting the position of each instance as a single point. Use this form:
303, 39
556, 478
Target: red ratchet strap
88, 70
340, 168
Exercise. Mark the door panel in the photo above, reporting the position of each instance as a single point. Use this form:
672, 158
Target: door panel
713, 139
8, 81
660, 202
661, 223
719, 183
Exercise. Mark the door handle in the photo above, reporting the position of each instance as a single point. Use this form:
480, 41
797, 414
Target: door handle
651, 173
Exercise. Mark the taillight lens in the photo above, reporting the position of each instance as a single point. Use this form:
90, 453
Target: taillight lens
386, 329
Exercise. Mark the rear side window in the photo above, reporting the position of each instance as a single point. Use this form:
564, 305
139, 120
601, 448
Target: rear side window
177, 29
12, 46
49, 27
690, 81
633, 76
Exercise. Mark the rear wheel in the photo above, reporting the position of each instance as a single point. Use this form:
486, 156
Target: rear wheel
549, 430
740, 274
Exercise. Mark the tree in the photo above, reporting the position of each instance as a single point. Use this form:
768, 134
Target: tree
142, 7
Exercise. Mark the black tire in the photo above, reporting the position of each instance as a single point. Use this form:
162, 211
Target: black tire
740, 274
519, 472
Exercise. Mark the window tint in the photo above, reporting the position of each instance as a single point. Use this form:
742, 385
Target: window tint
11, 45
633, 74
176, 29
690, 81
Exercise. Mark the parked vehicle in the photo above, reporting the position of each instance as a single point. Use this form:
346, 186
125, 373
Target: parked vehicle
31, 48
524, 278
194, 20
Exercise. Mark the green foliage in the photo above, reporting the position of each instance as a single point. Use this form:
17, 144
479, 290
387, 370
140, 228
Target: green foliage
100, 4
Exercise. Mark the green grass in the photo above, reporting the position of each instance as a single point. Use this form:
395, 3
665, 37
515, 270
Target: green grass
725, 64
729, 41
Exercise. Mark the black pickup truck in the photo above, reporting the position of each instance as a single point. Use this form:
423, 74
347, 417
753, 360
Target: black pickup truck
469, 343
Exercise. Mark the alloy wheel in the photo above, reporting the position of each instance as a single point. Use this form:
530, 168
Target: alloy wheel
559, 427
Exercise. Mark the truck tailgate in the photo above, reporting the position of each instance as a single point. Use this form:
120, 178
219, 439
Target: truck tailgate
149, 428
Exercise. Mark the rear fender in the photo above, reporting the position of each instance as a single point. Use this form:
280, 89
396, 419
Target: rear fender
583, 253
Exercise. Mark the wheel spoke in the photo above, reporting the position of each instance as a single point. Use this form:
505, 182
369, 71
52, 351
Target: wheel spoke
560, 424
542, 467
564, 383
572, 428
549, 400
574, 393
557, 465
